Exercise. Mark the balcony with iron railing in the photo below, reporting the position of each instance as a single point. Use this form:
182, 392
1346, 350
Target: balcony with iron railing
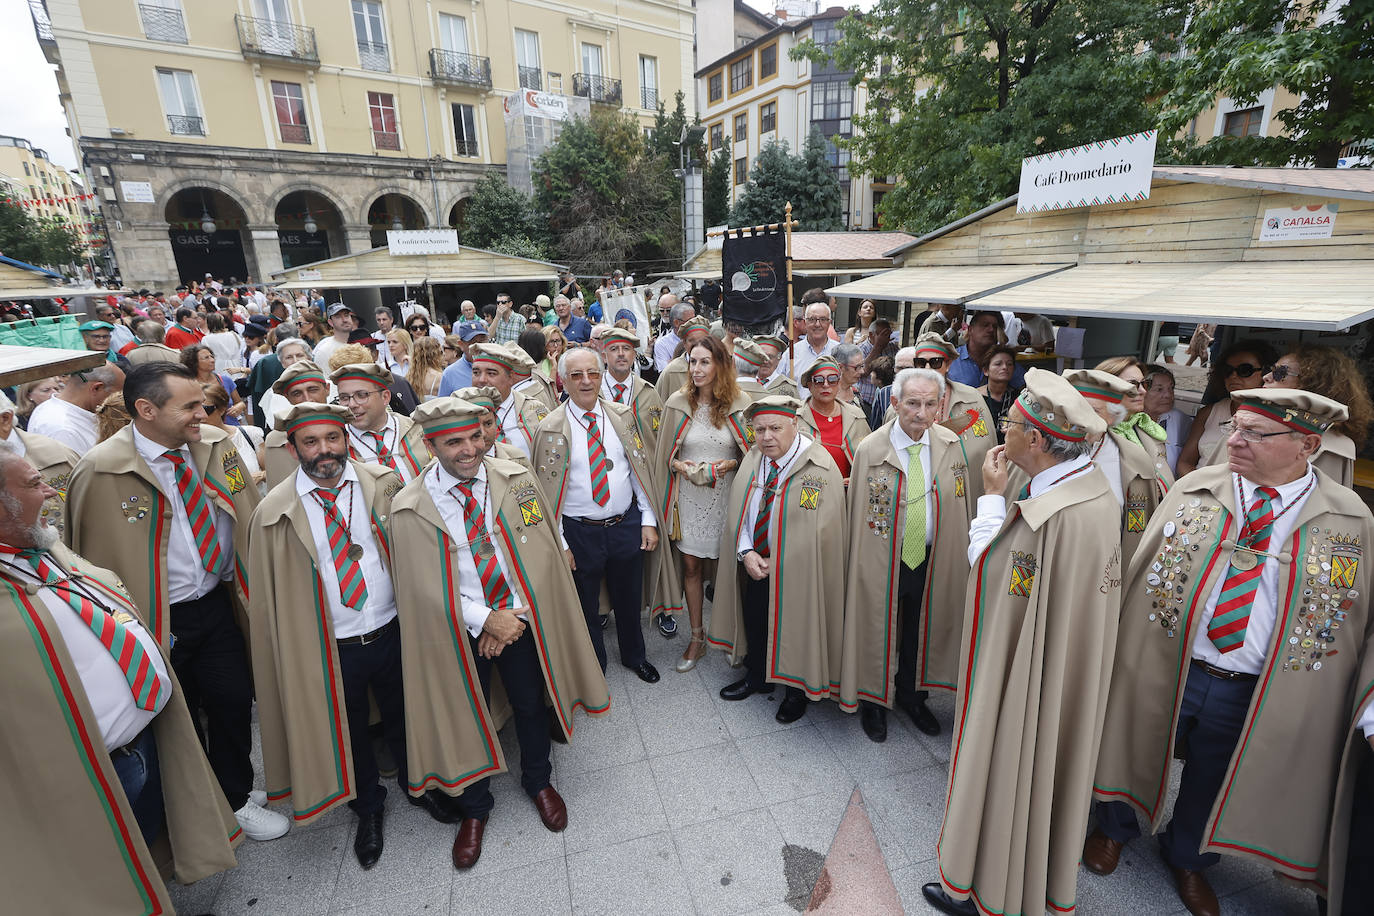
467, 147
186, 125
161, 23
386, 139
459, 68
294, 133
270, 39
648, 98
373, 55
531, 78
600, 89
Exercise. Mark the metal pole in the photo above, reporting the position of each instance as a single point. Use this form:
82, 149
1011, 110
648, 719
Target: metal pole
791, 325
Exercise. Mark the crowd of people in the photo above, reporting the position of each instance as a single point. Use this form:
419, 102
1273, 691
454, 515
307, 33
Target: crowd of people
396, 541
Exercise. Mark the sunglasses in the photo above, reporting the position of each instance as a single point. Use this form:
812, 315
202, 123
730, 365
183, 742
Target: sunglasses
828, 379
935, 362
209, 408
1244, 370
1279, 373
419, 327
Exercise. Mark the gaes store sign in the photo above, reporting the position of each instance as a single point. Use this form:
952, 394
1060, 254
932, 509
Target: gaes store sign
1103, 172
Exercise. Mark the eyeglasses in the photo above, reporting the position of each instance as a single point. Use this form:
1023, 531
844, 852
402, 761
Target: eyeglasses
818, 321
1136, 384
935, 362
356, 398
1244, 370
1281, 372
828, 379
1251, 435
209, 408
1005, 422
419, 327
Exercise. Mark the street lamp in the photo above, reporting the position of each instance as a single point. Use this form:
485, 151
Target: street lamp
310, 224
207, 223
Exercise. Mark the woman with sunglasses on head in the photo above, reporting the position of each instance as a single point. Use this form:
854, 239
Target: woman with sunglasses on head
1241, 365
1330, 373
840, 426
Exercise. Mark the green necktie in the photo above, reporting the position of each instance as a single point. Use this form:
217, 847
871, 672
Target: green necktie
914, 532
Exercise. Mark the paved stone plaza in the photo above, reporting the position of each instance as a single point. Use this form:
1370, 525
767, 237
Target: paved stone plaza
679, 802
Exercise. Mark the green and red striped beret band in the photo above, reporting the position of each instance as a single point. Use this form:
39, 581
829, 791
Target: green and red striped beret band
930, 347
1045, 421
307, 419
349, 374
1096, 392
751, 355
1297, 420
310, 375
442, 426
777, 410
506, 362
473, 397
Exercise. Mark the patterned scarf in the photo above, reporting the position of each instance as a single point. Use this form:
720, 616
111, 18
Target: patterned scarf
1127, 428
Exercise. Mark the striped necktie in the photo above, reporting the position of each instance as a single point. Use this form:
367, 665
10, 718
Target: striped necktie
914, 531
148, 689
1232, 614
199, 511
765, 513
352, 587
384, 454
619, 393
494, 586
596, 462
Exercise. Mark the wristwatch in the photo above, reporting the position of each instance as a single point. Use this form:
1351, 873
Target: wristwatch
743, 553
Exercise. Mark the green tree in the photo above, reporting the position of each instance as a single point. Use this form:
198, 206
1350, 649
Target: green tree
817, 203
496, 212
778, 177
961, 90
45, 242
59, 241
1321, 52
715, 184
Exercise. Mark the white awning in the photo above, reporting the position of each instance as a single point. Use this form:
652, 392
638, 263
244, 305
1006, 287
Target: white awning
948, 285
55, 292
26, 364
1310, 295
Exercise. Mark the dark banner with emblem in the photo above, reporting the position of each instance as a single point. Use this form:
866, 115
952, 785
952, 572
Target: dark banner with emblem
754, 277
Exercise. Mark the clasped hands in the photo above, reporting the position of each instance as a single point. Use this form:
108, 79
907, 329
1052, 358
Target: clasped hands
501, 629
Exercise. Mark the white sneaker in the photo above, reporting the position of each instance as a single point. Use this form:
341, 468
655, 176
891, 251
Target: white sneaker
258, 823
258, 797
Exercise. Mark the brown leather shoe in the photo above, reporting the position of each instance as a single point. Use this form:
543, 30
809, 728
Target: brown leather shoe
467, 846
1101, 853
551, 809
1195, 892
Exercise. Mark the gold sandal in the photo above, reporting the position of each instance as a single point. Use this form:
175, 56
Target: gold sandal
689, 659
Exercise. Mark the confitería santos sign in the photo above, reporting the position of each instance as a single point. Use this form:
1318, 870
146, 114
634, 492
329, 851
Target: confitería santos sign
1103, 172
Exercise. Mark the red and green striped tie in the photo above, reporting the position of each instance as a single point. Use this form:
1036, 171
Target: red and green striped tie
766, 508
352, 587
384, 455
199, 511
1232, 616
148, 689
494, 585
596, 462
620, 392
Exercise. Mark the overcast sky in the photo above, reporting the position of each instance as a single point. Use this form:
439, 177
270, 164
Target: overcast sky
29, 106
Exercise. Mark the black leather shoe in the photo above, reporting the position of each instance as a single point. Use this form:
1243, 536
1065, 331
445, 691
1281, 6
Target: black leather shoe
367, 843
874, 720
744, 688
792, 707
646, 672
935, 895
441, 807
920, 715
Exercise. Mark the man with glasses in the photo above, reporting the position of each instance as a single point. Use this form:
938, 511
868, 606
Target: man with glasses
813, 346
342, 322
983, 328
1039, 631
965, 412
1245, 641
909, 510
301, 382
506, 325
69, 416
519, 416
375, 434
575, 329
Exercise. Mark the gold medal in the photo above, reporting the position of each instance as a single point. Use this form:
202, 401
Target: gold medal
355, 552
484, 548
1243, 559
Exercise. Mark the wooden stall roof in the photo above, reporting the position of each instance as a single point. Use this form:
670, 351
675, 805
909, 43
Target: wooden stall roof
379, 268
26, 364
952, 285
819, 254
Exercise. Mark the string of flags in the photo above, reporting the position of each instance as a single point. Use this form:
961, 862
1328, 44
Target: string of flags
47, 201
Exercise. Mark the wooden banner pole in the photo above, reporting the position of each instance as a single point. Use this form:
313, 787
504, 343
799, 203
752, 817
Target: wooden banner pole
791, 325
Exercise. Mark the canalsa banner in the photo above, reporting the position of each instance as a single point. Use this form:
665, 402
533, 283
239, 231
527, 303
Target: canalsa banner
1103, 172
754, 277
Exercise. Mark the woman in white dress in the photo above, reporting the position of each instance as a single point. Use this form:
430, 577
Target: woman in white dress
702, 437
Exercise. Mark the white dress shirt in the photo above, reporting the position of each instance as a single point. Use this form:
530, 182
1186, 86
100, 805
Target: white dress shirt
117, 715
608, 383
440, 484
804, 356
187, 579
577, 498
664, 348
73, 426
901, 442
380, 606
1107, 457
365, 446
751, 505
1250, 657
509, 418
992, 509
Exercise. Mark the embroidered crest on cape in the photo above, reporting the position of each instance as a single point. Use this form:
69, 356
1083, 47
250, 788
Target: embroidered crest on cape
1022, 578
1135, 515
811, 487
531, 513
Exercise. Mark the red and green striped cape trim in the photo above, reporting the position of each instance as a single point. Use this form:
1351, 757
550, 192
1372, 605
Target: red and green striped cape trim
986, 910
889, 632
86, 747
415, 464
458, 633
159, 612
670, 482
1280, 633
776, 584
1299, 420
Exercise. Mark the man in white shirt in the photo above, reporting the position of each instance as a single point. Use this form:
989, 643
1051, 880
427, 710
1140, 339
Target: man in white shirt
494, 365
375, 434
339, 502
678, 314
342, 322
69, 415
600, 471
1274, 598
813, 346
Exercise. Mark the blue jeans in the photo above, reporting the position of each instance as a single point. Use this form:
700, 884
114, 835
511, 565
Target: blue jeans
1209, 723
137, 768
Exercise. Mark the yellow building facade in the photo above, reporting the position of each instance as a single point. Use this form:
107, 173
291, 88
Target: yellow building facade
270, 118
44, 189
